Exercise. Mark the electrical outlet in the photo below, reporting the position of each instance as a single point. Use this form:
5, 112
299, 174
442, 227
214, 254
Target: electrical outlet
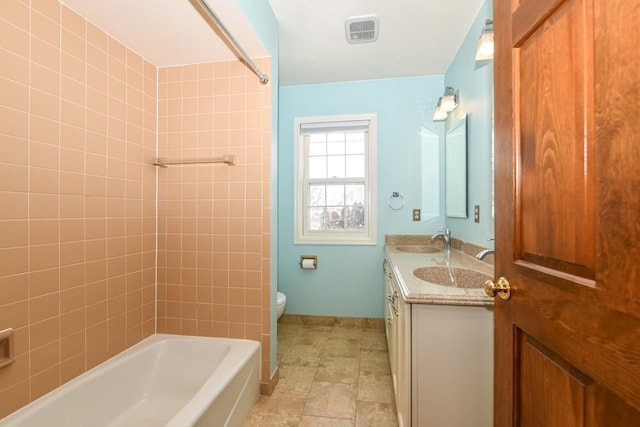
416, 214
476, 213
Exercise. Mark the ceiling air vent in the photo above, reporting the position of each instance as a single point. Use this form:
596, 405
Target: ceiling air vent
362, 29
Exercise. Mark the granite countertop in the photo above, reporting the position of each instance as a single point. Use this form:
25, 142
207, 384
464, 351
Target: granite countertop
417, 291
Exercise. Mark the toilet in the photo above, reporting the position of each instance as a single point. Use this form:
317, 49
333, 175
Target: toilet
281, 303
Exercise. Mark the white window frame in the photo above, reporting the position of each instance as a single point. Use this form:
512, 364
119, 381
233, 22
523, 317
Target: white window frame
368, 236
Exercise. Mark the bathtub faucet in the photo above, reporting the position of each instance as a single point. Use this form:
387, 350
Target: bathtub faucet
446, 236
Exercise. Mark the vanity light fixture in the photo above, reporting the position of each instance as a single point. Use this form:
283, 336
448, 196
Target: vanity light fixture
439, 114
449, 101
485, 42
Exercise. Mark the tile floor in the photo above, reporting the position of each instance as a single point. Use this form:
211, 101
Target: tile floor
329, 376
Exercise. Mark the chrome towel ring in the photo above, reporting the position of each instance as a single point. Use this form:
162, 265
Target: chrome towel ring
396, 201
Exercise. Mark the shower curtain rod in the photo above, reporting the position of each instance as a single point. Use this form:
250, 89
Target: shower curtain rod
209, 13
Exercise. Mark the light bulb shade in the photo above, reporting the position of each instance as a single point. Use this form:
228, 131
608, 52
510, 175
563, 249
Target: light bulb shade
485, 47
485, 42
439, 114
449, 101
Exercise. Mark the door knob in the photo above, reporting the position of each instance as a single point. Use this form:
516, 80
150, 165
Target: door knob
502, 288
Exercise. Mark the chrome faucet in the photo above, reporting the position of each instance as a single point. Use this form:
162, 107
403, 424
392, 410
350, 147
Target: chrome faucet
484, 253
446, 236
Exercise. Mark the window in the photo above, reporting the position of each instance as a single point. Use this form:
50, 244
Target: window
335, 180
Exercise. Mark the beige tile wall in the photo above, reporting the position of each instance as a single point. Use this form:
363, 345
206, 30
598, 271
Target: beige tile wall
77, 196
213, 219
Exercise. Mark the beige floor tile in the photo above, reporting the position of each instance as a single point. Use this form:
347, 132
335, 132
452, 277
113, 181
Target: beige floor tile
284, 342
352, 352
375, 361
349, 333
318, 340
374, 341
375, 387
316, 329
332, 400
329, 376
275, 411
371, 414
338, 370
295, 381
337, 341
302, 355
308, 421
285, 329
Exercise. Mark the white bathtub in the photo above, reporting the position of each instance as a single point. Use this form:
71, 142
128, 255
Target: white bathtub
165, 380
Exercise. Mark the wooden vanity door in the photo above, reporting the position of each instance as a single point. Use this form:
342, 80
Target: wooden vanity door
567, 109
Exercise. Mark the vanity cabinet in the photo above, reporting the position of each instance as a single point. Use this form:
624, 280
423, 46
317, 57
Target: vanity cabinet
398, 324
441, 360
452, 366
390, 314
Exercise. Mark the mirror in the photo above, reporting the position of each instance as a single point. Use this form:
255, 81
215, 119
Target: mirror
456, 169
430, 174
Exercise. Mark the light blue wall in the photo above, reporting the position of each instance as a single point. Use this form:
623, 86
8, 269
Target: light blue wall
475, 82
349, 280
264, 22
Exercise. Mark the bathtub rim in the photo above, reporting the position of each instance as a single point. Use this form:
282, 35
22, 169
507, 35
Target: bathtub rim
239, 353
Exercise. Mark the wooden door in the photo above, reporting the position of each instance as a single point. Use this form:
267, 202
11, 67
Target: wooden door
567, 109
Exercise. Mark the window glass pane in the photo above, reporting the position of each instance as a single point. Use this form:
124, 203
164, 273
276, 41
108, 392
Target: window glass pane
336, 143
354, 211
335, 166
317, 195
335, 195
317, 219
335, 137
318, 137
317, 148
355, 166
355, 143
354, 217
354, 194
334, 218
317, 167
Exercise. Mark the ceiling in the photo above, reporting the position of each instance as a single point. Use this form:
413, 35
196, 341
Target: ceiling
416, 38
170, 32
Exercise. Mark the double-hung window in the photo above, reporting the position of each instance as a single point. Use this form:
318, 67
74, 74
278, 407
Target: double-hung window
335, 180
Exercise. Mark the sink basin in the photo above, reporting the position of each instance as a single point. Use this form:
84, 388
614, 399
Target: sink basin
418, 249
463, 277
